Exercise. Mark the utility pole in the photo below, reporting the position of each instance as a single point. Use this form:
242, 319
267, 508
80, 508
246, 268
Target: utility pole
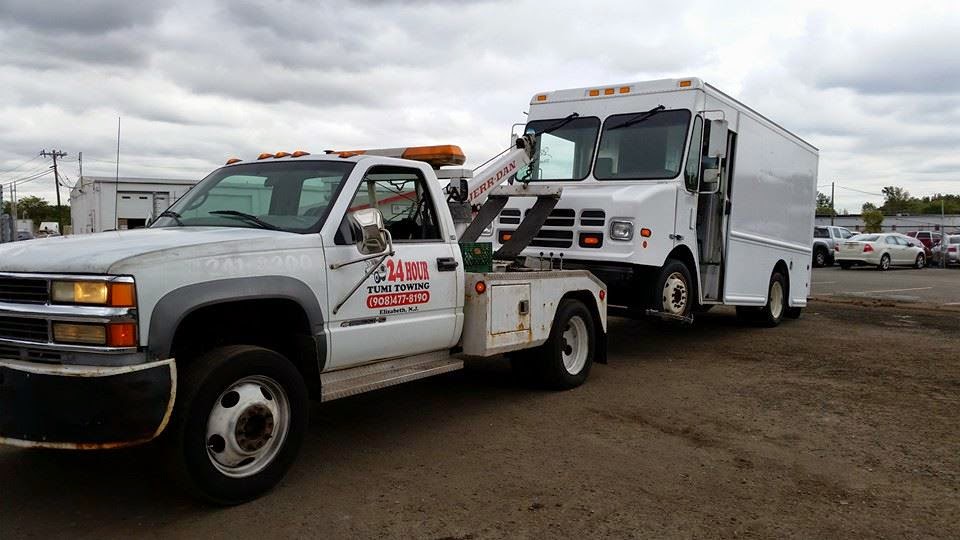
833, 207
56, 178
943, 235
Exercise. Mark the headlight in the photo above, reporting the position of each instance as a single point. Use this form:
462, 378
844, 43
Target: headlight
102, 293
621, 230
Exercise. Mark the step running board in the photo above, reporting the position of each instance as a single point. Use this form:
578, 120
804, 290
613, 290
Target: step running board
356, 380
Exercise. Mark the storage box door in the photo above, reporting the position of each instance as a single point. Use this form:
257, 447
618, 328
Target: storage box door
509, 308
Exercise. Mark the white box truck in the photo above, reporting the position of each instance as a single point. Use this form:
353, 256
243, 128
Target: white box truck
675, 194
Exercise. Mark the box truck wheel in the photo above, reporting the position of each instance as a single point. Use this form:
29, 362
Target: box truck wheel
564, 361
673, 292
239, 419
772, 313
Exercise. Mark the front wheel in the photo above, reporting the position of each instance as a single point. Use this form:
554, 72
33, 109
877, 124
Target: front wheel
238, 423
674, 293
920, 262
564, 361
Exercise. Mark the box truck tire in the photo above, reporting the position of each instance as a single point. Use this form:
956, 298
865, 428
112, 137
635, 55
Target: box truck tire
238, 423
674, 293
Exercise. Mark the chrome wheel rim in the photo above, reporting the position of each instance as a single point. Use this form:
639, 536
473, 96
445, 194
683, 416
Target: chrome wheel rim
885, 262
675, 294
920, 261
247, 426
776, 299
574, 345
821, 258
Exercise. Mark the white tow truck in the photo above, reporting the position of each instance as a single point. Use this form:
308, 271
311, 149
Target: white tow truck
274, 280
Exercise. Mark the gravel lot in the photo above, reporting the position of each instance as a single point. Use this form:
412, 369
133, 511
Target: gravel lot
841, 424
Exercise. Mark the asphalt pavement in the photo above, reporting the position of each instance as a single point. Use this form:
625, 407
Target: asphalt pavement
938, 286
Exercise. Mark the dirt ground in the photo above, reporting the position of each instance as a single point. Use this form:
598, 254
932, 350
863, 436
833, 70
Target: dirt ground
845, 423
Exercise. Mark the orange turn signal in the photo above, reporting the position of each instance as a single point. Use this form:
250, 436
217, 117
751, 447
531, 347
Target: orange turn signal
686, 83
122, 335
645, 232
122, 295
591, 240
480, 287
594, 93
624, 89
608, 91
542, 97
505, 236
281, 154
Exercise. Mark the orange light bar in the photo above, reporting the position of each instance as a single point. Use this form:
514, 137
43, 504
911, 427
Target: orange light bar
444, 154
122, 295
281, 154
594, 93
121, 335
542, 97
608, 91
233, 160
645, 232
299, 153
264, 156
624, 89
686, 83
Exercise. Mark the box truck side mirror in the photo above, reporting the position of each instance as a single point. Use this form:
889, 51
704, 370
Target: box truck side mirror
710, 182
717, 146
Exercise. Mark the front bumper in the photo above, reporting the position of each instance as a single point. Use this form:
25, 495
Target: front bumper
84, 407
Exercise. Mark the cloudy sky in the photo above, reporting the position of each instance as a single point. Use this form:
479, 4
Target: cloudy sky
875, 85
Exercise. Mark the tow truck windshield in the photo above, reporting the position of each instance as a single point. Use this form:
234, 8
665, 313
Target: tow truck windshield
285, 196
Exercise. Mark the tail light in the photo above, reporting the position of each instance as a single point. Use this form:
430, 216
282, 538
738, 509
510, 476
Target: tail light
867, 248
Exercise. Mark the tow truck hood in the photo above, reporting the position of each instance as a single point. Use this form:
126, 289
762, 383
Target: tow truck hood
97, 253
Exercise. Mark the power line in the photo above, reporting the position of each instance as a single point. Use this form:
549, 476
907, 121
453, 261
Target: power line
861, 191
29, 178
19, 166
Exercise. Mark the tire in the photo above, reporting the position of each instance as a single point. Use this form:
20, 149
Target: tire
820, 258
884, 263
793, 313
920, 263
777, 293
235, 387
845, 265
564, 361
674, 292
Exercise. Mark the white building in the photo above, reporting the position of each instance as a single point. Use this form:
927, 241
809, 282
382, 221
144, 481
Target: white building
901, 223
99, 203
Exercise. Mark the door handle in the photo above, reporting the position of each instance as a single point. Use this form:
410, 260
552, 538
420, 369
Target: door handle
447, 264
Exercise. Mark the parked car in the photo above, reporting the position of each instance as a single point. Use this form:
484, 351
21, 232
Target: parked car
928, 238
825, 243
952, 251
882, 250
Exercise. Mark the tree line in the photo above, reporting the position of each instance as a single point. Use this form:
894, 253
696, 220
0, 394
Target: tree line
36, 209
899, 201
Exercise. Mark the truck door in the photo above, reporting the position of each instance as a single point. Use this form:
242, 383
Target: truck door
408, 305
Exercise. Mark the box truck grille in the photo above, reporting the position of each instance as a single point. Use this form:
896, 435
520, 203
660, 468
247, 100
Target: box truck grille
23, 329
510, 216
553, 239
559, 217
593, 218
24, 290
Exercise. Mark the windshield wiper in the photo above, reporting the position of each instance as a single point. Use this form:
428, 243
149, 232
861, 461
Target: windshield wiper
559, 124
640, 117
246, 217
171, 214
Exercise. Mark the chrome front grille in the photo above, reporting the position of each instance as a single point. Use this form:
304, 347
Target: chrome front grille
24, 290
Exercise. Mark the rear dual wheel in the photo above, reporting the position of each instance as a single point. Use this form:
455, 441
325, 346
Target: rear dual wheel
564, 361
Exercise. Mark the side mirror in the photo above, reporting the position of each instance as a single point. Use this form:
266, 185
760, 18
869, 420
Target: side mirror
373, 233
717, 146
710, 183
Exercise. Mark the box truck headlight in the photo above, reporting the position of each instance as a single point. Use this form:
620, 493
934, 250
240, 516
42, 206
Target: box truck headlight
101, 293
621, 230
